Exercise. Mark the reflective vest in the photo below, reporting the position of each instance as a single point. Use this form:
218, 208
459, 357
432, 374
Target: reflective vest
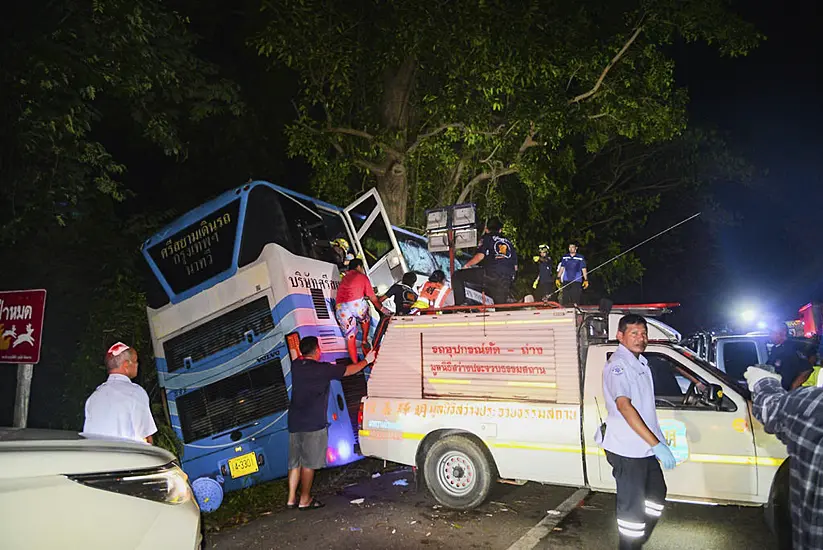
434, 294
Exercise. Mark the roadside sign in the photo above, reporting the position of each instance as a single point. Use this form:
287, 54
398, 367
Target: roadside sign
21, 325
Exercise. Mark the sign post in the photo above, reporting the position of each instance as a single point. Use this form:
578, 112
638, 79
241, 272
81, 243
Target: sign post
21, 331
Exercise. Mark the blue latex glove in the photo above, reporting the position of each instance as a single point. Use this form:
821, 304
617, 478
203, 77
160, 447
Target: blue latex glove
665, 456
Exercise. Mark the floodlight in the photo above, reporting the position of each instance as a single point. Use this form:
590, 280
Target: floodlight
438, 242
465, 238
437, 219
464, 214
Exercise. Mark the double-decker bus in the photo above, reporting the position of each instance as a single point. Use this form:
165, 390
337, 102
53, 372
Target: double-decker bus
236, 283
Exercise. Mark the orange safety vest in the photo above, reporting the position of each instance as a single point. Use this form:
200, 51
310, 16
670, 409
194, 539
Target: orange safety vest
435, 293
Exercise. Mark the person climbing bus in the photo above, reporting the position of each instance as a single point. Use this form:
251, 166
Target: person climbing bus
353, 310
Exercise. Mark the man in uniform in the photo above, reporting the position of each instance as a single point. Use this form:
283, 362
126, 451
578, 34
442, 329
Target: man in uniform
786, 358
573, 276
498, 265
631, 435
402, 294
794, 417
545, 272
308, 427
119, 407
352, 310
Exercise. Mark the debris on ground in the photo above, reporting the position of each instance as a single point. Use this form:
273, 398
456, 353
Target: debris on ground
401, 482
553, 512
355, 529
358, 501
375, 475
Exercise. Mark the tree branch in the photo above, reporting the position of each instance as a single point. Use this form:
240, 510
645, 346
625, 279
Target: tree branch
375, 169
431, 133
483, 176
394, 153
615, 59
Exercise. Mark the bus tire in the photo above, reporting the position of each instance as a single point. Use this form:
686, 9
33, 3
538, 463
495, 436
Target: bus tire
458, 472
777, 509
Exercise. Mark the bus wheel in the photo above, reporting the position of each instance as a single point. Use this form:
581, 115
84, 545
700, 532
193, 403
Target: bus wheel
458, 472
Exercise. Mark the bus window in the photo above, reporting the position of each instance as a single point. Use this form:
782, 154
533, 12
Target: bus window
199, 251
264, 223
417, 254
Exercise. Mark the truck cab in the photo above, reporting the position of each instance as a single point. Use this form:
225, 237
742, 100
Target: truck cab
732, 354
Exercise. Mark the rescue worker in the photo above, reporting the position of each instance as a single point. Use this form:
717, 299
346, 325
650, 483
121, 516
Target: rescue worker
631, 435
402, 294
545, 272
352, 309
794, 417
498, 266
572, 276
436, 292
786, 358
340, 251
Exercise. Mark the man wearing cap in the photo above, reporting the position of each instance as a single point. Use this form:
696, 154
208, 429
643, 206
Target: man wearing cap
118, 407
572, 276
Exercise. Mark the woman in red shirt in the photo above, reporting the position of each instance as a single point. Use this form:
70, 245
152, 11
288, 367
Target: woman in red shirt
352, 309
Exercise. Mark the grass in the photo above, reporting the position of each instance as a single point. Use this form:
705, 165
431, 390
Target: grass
240, 507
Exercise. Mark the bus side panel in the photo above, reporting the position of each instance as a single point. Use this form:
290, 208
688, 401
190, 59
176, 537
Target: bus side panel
532, 441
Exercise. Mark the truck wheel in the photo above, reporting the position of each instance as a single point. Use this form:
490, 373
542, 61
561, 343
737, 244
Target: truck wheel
458, 472
777, 510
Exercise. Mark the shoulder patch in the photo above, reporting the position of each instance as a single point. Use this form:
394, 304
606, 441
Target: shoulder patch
617, 369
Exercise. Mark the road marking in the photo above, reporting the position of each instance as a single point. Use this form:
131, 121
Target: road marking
537, 533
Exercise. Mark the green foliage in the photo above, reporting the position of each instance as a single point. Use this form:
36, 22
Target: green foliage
80, 75
499, 103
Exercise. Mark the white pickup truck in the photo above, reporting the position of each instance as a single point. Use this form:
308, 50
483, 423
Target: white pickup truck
470, 398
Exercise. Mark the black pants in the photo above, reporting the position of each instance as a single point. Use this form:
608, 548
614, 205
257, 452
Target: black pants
571, 293
641, 494
544, 289
493, 286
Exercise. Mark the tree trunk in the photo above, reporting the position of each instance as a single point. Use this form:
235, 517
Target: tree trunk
393, 184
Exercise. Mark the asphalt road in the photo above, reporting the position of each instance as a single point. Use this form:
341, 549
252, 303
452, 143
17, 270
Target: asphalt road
396, 516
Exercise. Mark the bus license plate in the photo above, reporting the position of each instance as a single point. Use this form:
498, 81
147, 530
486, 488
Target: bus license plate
243, 465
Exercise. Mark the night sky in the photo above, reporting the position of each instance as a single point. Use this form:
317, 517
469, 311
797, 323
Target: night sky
768, 105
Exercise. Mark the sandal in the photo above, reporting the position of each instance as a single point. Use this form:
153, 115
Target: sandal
313, 505
290, 506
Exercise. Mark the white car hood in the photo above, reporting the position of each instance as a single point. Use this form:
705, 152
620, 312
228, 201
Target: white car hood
31, 453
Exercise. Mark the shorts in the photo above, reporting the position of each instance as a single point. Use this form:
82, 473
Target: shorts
308, 449
350, 314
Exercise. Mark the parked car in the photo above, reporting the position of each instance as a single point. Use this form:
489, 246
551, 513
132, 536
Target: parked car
60, 489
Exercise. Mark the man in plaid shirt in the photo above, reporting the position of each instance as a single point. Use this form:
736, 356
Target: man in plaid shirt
795, 418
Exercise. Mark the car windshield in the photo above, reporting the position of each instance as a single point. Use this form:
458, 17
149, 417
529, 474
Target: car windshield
736, 384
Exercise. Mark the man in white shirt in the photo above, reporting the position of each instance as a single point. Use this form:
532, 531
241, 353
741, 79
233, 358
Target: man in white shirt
118, 407
633, 440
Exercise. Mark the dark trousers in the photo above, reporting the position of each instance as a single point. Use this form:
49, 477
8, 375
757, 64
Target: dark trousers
641, 494
571, 293
544, 290
495, 287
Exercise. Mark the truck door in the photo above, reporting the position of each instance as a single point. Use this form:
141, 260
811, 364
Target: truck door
375, 240
717, 444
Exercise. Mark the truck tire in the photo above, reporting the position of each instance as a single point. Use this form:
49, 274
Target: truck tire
458, 472
777, 509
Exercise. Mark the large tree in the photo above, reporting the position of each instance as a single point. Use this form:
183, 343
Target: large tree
82, 78
434, 102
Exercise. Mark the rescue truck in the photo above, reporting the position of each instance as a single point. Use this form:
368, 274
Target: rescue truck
473, 396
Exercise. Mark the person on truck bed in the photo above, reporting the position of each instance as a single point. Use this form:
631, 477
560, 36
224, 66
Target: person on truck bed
786, 358
498, 265
794, 417
573, 275
403, 294
353, 310
631, 435
545, 273
436, 292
